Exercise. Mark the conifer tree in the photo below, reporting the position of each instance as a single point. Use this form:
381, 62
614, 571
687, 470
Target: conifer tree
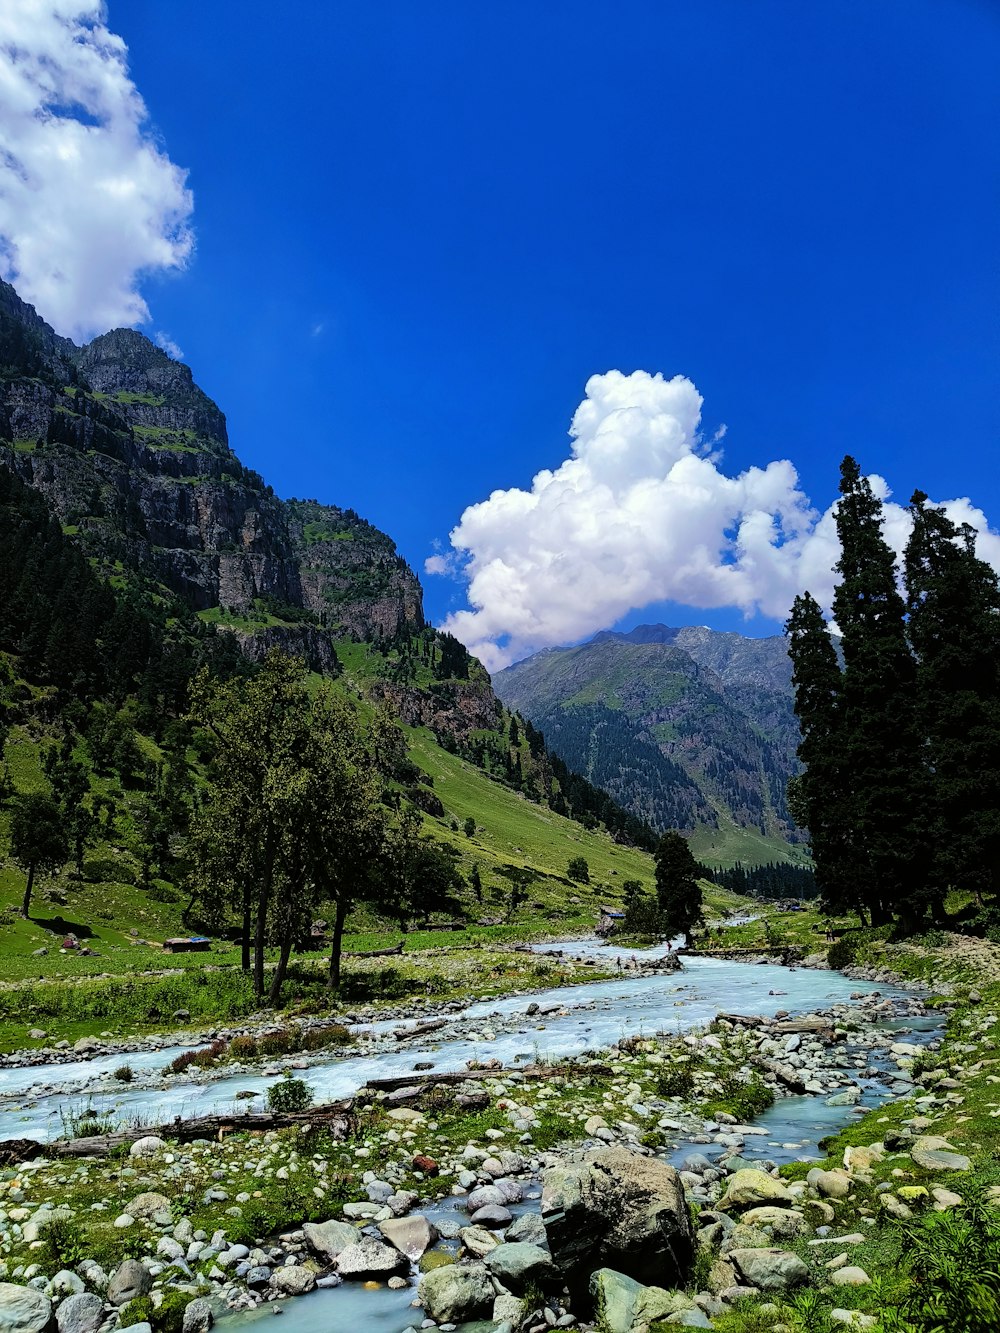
953, 605
678, 892
880, 746
822, 794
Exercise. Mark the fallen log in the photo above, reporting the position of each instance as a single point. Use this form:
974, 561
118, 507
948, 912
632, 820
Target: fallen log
422, 1081
378, 953
335, 1117
429, 1025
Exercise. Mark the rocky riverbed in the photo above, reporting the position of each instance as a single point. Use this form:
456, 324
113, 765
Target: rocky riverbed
472, 1214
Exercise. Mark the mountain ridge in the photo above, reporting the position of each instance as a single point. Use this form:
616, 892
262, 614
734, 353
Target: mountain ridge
717, 707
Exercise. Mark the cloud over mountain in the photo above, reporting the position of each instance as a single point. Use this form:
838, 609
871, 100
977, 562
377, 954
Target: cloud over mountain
89, 201
642, 511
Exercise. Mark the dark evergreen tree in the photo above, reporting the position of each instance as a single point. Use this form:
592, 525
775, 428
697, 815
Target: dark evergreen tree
822, 794
880, 745
678, 892
953, 605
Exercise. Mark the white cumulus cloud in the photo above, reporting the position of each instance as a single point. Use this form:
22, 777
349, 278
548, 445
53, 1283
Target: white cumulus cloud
641, 512
89, 201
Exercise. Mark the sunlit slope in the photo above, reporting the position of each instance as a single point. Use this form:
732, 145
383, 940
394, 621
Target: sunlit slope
515, 833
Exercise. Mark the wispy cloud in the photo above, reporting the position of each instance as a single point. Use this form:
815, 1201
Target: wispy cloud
643, 512
164, 341
89, 200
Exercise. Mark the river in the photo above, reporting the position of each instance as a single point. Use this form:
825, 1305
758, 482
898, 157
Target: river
589, 1017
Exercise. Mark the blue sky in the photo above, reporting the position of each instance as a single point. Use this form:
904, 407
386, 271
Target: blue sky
420, 229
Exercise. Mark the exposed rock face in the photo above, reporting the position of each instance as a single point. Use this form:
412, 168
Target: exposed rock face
621, 1211
456, 706
135, 459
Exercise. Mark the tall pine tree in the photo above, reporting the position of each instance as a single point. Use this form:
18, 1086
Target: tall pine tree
880, 746
821, 796
953, 605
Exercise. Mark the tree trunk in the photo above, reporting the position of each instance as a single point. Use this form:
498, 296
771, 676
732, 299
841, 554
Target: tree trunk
336, 946
247, 927
260, 938
279, 972
26, 905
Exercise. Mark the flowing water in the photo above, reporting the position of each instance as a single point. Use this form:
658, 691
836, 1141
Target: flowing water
589, 1017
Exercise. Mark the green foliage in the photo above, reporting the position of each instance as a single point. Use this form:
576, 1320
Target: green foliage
678, 892
952, 1261
131, 999
38, 842
243, 1048
677, 1080
744, 1100
291, 1094
64, 1245
124, 1074
579, 870
843, 952
168, 1317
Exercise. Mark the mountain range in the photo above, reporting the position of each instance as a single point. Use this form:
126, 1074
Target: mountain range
683, 728
688, 728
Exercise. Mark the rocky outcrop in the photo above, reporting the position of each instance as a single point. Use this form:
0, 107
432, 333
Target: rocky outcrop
618, 1210
135, 461
458, 707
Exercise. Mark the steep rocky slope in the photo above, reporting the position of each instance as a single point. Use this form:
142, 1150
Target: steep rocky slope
714, 709
135, 460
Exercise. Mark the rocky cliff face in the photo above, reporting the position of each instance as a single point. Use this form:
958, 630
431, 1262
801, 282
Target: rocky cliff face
135, 460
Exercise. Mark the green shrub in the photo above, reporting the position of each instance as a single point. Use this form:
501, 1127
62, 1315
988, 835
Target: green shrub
64, 1246
243, 1048
842, 953
316, 1039
952, 1263
279, 1041
676, 1081
291, 1094
168, 1318
124, 1074
203, 1058
743, 1100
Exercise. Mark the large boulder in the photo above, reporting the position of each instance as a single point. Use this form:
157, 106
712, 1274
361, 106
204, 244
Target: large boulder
328, 1239
23, 1310
410, 1235
83, 1312
618, 1210
148, 1146
198, 1316
768, 1269
623, 1305
293, 1280
148, 1205
370, 1258
519, 1264
936, 1154
453, 1294
750, 1188
129, 1280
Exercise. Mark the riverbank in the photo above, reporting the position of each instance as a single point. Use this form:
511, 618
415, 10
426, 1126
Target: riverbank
652, 1095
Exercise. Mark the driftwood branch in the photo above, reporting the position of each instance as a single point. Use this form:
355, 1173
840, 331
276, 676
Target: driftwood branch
336, 1117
